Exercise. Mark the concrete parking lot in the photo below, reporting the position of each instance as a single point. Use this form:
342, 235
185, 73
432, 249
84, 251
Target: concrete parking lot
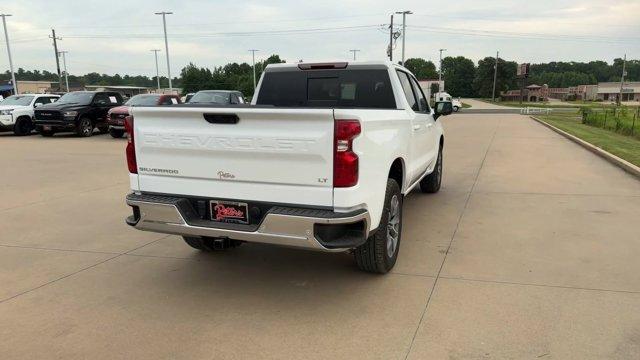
531, 250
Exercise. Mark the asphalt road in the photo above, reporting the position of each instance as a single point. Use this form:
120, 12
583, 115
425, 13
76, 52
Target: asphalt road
531, 250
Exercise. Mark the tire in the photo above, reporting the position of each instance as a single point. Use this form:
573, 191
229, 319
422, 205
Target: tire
431, 183
207, 244
116, 133
455, 109
380, 252
23, 126
84, 127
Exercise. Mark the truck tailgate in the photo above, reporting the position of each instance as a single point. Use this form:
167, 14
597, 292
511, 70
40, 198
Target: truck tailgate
272, 155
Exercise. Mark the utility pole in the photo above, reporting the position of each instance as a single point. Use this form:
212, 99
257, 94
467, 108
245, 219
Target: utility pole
404, 29
624, 68
253, 59
55, 49
391, 40
64, 62
155, 52
495, 77
440, 72
6, 37
354, 51
166, 45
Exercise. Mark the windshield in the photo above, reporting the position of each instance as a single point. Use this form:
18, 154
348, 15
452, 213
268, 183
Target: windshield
143, 100
82, 98
20, 100
210, 97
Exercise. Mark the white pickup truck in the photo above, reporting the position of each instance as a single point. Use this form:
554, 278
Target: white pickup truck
16, 111
321, 160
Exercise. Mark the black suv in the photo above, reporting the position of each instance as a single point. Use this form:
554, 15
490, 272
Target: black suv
78, 111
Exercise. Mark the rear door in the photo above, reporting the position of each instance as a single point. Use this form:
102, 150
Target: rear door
261, 154
420, 153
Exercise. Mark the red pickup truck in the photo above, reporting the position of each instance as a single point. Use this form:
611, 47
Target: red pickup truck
116, 116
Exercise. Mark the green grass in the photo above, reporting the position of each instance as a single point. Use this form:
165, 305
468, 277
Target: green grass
625, 147
567, 104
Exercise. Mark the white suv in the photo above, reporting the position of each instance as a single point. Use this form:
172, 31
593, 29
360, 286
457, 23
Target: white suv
16, 111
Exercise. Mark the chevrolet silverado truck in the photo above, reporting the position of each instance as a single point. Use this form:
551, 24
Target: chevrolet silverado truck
17, 111
320, 160
79, 111
116, 115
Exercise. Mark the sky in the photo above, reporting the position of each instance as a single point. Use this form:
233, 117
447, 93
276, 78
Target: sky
116, 36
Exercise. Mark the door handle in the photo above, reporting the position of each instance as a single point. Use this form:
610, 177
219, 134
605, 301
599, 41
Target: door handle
416, 127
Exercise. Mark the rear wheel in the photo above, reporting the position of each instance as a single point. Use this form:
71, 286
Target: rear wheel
23, 126
431, 183
455, 109
380, 252
84, 128
116, 133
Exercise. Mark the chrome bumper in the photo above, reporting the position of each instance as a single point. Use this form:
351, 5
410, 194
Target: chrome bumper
292, 227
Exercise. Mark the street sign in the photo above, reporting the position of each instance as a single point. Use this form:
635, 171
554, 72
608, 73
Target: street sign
523, 70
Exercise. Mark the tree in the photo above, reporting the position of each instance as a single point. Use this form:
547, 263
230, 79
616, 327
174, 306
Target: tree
421, 68
505, 80
458, 74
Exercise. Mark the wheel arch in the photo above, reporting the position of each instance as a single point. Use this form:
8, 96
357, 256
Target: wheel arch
397, 171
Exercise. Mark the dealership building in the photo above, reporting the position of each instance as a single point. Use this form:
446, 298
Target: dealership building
610, 91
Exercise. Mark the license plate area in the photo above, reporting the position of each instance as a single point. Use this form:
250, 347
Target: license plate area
229, 212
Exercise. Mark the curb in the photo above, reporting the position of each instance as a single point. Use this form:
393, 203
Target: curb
621, 163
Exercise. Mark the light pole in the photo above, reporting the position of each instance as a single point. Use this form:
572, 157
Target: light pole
6, 37
440, 71
354, 51
404, 29
64, 63
166, 45
155, 52
495, 77
253, 59
624, 68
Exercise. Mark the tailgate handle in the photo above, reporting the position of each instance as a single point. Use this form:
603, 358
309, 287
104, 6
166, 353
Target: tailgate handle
221, 118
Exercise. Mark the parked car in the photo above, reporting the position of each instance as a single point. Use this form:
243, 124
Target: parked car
116, 116
16, 111
218, 97
322, 162
187, 97
79, 111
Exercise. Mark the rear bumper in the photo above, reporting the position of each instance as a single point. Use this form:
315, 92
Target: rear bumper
313, 229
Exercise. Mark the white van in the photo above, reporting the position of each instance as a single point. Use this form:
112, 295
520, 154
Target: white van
443, 96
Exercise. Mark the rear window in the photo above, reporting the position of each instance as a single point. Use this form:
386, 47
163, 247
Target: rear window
327, 88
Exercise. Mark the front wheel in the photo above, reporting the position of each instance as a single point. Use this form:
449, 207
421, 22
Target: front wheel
23, 126
84, 128
455, 109
380, 252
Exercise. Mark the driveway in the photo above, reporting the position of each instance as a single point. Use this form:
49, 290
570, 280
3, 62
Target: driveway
482, 105
531, 250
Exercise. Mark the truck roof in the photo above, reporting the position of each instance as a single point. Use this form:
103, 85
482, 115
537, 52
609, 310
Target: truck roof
340, 63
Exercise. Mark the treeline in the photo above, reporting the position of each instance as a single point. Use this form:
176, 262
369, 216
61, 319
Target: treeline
93, 78
232, 76
463, 77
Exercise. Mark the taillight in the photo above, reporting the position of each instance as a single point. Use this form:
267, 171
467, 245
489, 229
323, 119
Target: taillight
131, 145
345, 161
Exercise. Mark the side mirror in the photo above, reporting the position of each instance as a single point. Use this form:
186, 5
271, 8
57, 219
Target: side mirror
443, 108
37, 105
